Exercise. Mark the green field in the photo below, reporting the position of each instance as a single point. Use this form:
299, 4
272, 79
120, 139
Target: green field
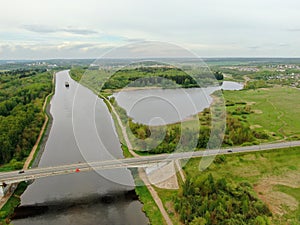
275, 110
273, 175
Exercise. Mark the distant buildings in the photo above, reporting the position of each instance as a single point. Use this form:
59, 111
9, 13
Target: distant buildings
243, 68
286, 74
288, 66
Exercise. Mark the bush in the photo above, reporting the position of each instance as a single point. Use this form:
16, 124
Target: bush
220, 159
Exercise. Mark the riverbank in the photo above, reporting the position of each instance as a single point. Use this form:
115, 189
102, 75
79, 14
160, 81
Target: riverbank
153, 206
12, 199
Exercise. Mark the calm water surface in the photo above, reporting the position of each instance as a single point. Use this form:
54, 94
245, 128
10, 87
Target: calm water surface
165, 106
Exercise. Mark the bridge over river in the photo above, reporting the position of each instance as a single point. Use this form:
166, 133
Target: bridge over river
145, 161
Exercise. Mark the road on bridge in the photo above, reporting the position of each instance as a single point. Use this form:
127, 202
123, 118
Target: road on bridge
146, 161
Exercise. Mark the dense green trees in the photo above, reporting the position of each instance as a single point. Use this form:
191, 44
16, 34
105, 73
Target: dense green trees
148, 141
106, 80
204, 200
22, 93
256, 84
166, 77
237, 132
218, 75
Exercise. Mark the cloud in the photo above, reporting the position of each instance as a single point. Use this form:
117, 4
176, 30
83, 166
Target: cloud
130, 40
69, 45
151, 49
254, 47
47, 29
210, 28
79, 31
62, 50
283, 45
294, 29
39, 29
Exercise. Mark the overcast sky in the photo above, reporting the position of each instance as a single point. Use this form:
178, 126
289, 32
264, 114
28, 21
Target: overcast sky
41, 29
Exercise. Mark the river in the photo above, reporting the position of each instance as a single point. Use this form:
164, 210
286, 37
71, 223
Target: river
81, 198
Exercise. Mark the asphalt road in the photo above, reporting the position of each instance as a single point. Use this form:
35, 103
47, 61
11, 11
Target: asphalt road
146, 161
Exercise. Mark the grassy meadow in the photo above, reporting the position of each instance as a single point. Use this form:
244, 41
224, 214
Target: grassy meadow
275, 110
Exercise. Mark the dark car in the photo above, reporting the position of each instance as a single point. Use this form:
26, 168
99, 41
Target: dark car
229, 150
21, 171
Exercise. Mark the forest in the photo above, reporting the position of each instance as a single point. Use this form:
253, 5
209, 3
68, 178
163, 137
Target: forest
22, 94
206, 201
164, 77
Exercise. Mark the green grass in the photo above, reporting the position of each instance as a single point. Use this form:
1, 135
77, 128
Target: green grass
251, 166
126, 152
118, 128
145, 153
276, 109
167, 197
294, 192
46, 127
149, 205
12, 165
9, 207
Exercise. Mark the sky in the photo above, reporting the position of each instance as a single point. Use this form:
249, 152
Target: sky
47, 29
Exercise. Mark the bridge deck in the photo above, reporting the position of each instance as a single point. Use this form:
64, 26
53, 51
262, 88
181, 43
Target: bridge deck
146, 161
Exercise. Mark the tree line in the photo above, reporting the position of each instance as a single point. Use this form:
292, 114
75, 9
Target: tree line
165, 77
22, 93
237, 132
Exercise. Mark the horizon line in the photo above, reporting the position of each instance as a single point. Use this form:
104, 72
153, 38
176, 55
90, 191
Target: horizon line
123, 58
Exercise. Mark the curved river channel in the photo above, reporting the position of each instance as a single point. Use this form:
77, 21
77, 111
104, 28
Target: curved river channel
80, 198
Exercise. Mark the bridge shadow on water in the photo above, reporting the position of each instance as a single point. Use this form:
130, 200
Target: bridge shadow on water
53, 207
